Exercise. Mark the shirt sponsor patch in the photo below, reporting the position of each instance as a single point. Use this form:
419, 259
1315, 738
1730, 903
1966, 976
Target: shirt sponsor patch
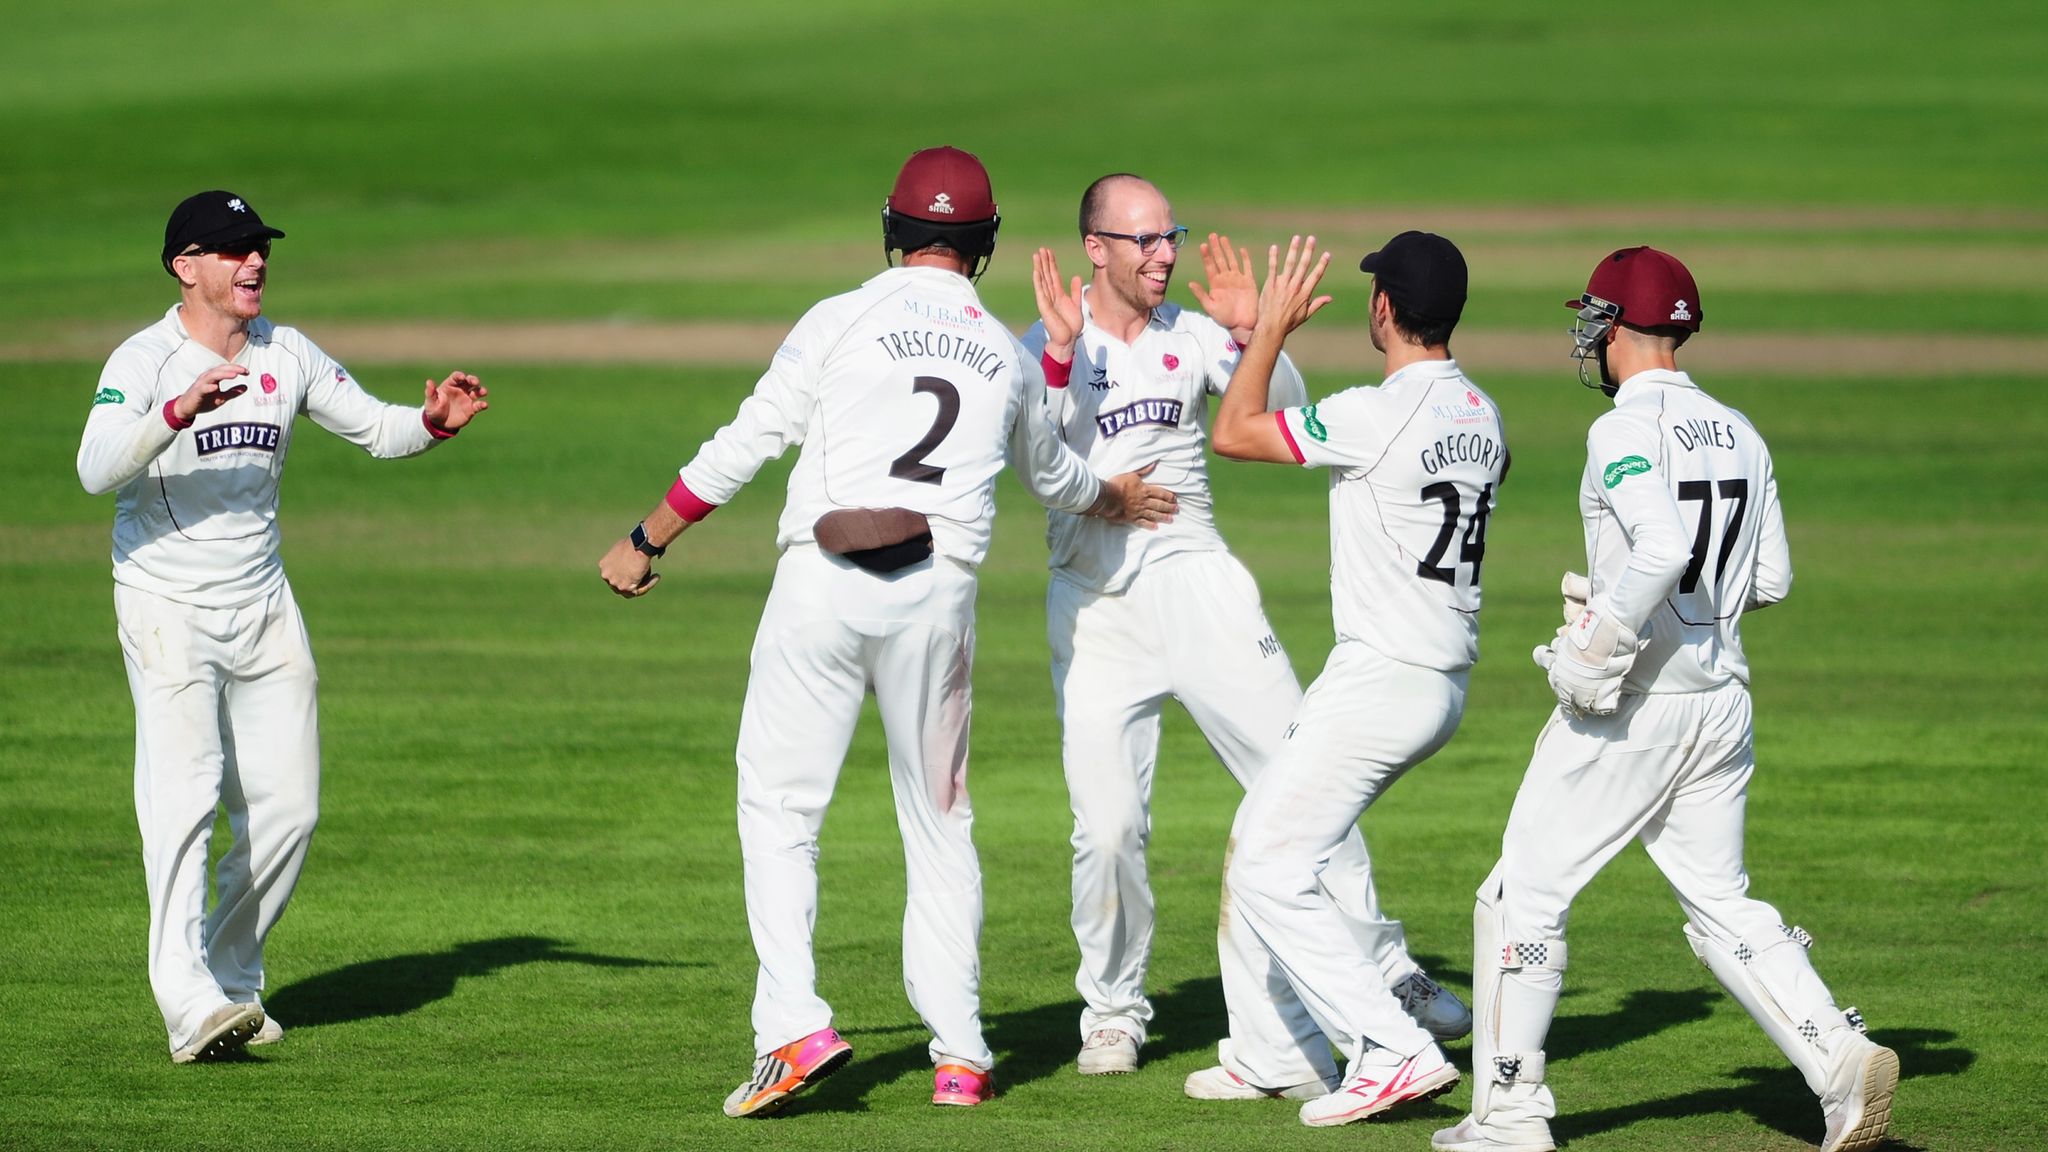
228, 437
1165, 412
1624, 468
1316, 429
108, 396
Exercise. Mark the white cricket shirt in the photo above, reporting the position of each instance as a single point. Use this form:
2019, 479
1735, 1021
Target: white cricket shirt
1415, 466
196, 516
1129, 405
904, 393
1683, 529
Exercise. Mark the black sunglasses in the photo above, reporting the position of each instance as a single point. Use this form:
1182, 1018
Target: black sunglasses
1147, 241
239, 249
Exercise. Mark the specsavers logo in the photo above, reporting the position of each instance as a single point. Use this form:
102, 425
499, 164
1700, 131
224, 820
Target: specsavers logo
108, 396
1624, 468
1316, 429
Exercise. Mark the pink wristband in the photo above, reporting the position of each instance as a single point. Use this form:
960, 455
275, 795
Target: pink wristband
686, 504
171, 417
436, 431
1056, 373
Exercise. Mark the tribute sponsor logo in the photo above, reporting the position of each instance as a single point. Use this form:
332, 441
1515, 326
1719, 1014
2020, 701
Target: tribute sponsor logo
229, 437
1166, 412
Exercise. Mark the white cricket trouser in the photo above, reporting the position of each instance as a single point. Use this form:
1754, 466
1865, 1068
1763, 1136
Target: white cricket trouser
1669, 769
1364, 722
830, 633
225, 715
1191, 627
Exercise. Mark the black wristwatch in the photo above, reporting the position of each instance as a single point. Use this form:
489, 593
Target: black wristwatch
645, 546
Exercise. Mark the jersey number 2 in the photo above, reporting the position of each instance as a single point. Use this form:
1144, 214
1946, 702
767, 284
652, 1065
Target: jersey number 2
911, 465
1471, 547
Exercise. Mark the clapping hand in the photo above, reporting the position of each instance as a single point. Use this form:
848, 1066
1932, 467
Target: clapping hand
1289, 299
454, 401
1232, 296
1060, 311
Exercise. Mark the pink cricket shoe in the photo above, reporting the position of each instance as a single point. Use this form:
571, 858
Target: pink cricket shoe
788, 1070
1379, 1081
961, 1086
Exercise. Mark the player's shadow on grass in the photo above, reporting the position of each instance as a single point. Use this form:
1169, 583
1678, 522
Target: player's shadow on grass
1775, 1097
1029, 1045
396, 985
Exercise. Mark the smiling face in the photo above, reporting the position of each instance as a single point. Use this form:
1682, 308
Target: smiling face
1138, 279
228, 284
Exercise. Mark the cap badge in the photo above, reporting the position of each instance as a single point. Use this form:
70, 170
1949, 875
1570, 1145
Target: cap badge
1170, 360
1679, 312
942, 204
237, 205
269, 383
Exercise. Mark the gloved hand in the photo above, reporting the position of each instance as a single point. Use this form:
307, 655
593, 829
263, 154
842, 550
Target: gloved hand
1577, 590
1587, 662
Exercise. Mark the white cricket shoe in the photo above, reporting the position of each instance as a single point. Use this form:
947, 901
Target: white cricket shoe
270, 1033
1380, 1081
1862, 1075
226, 1029
1220, 1083
1436, 1008
1108, 1052
1469, 1135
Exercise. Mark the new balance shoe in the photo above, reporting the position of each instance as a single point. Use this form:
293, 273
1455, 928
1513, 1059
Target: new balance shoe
1220, 1083
788, 1070
1108, 1051
1381, 1081
226, 1029
961, 1086
1436, 1008
1862, 1075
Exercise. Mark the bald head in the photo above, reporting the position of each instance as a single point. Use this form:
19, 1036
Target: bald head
1114, 196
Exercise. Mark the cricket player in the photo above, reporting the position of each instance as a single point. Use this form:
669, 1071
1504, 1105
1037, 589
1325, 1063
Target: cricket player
1651, 739
1137, 617
1414, 465
907, 397
190, 426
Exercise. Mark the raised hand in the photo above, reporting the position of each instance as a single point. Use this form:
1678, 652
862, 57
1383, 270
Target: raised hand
1289, 299
206, 393
1232, 296
454, 401
1060, 311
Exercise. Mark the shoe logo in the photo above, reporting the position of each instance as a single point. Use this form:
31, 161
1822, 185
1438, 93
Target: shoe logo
1679, 312
952, 1083
942, 204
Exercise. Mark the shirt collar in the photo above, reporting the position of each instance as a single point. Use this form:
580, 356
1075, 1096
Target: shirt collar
1651, 378
1426, 370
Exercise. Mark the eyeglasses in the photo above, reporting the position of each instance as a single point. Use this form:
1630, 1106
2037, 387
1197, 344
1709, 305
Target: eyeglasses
1147, 241
239, 249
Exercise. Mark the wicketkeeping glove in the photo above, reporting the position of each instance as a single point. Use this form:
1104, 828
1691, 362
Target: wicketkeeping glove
1577, 590
1588, 661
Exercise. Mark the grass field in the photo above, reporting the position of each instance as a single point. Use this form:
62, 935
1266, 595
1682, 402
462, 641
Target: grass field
521, 924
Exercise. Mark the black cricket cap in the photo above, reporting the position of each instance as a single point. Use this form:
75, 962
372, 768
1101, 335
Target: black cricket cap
212, 219
1423, 273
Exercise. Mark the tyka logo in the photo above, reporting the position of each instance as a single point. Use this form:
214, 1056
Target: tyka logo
942, 204
1100, 380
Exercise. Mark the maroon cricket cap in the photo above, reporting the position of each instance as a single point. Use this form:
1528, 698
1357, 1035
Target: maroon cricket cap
1421, 272
1652, 289
943, 186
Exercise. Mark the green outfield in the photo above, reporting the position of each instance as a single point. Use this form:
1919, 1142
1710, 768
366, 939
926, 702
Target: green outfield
521, 924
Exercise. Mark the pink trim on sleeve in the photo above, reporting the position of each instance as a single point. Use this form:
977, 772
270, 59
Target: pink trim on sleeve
435, 430
1056, 373
686, 503
171, 417
1287, 434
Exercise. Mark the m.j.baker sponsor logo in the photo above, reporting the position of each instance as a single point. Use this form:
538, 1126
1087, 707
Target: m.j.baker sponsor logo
1468, 409
229, 437
965, 318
